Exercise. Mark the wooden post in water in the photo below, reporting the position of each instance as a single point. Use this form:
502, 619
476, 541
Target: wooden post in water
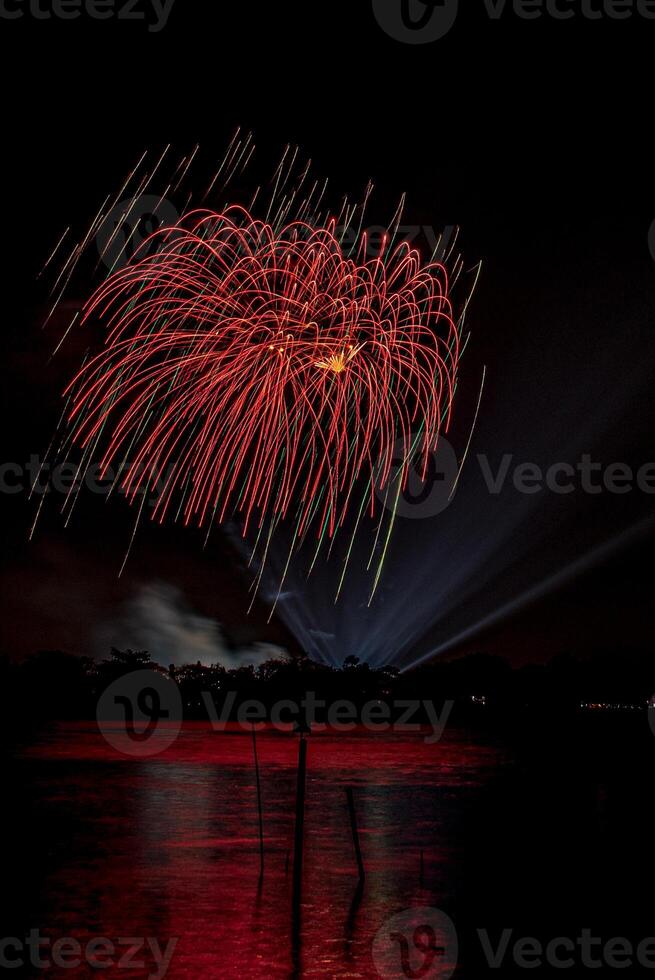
355, 832
259, 804
302, 728
299, 834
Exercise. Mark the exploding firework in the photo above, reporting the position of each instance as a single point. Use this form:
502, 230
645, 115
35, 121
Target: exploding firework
280, 373
265, 374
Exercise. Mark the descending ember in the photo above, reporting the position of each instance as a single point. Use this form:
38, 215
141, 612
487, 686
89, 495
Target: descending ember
260, 371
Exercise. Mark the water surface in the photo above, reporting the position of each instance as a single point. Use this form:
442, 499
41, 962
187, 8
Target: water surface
168, 846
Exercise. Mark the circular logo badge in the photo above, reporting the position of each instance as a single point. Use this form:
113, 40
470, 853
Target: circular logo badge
416, 21
140, 714
427, 490
131, 223
419, 942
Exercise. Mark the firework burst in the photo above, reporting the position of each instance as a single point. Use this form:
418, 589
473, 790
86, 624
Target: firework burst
264, 374
282, 372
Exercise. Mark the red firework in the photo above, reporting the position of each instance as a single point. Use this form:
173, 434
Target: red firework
264, 373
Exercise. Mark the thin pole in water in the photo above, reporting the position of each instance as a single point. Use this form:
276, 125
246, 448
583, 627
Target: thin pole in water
355, 832
259, 803
298, 842
300, 821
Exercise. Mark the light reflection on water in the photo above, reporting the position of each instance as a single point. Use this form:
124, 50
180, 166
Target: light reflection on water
168, 847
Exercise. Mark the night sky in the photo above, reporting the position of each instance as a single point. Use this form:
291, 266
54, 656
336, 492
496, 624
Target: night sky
534, 137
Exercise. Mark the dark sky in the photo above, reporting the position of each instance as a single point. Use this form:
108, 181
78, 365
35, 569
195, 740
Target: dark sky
533, 136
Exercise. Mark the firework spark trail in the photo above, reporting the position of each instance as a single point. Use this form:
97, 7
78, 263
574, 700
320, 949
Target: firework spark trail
263, 369
258, 371
53, 252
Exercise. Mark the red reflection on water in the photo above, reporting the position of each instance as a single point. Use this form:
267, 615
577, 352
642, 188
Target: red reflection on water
167, 847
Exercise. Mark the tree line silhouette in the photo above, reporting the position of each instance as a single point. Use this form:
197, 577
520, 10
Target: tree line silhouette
58, 685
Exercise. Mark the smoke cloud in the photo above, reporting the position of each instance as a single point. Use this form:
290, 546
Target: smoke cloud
160, 620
